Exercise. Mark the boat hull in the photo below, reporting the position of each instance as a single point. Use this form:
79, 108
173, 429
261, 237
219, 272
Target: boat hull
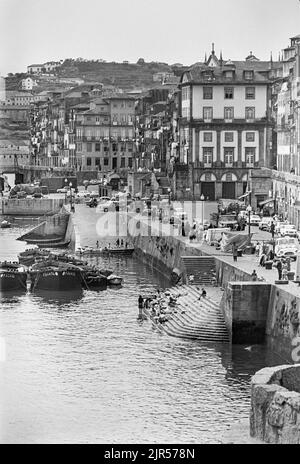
13, 281
56, 280
96, 283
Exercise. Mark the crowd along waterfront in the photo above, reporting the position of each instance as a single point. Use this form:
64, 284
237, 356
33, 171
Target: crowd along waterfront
82, 368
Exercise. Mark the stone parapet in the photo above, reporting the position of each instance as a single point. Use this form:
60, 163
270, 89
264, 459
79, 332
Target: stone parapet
275, 405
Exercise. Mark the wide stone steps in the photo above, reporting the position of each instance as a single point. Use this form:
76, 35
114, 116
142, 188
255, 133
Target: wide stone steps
202, 268
195, 319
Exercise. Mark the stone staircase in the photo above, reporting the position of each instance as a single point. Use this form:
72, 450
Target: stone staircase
203, 268
196, 319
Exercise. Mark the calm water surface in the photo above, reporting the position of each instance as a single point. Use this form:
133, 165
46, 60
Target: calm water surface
82, 368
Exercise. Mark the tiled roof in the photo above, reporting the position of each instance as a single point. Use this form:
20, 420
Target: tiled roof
197, 73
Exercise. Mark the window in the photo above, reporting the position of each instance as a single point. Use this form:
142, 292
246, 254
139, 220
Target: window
228, 74
228, 93
207, 156
97, 119
228, 112
130, 146
79, 146
123, 147
249, 75
114, 163
207, 112
250, 156
207, 93
250, 93
228, 136
250, 112
97, 146
130, 162
105, 148
89, 161
250, 136
105, 161
115, 147
88, 118
123, 162
207, 136
228, 156
97, 161
89, 147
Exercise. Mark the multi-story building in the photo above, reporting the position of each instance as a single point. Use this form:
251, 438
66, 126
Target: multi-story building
43, 68
226, 125
105, 134
287, 110
28, 83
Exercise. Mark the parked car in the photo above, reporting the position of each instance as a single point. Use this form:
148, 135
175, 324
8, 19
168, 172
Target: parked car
278, 226
62, 190
228, 220
106, 206
265, 223
289, 230
92, 203
287, 247
254, 220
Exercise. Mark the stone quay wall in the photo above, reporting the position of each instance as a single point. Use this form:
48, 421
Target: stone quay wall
30, 206
275, 405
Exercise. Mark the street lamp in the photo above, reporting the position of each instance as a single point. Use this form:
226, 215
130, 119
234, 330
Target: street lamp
71, 198
249, 210
66, 181
202, 198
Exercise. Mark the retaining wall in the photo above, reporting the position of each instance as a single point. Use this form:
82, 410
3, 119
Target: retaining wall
275, 405
31, 206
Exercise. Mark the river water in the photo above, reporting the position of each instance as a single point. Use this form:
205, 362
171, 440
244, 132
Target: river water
83, 369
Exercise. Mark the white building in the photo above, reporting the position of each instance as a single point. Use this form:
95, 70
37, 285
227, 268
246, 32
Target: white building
28, 83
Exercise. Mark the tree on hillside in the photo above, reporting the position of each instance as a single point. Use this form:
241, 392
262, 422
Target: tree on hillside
140, 61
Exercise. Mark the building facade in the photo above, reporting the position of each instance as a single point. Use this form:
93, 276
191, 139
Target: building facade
105, 134
226, 125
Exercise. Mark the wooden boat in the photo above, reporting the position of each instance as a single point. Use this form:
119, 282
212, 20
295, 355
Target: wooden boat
114, 280
54, 276
12, 277
29, 257
95, 281
119, 251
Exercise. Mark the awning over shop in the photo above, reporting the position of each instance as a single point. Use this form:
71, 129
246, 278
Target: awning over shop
266, 202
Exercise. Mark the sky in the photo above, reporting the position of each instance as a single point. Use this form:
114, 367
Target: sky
171, 31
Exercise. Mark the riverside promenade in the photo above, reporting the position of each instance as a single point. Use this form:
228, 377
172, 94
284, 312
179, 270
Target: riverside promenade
86, 222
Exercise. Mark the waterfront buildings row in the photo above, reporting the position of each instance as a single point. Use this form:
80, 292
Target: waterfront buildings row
213, 135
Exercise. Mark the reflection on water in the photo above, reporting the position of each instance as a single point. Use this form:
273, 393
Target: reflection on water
58, 298
84, 369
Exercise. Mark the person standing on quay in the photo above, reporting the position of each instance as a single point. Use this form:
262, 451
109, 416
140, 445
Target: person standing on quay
279, 269
234, 253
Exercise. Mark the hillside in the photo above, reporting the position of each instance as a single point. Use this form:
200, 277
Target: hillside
124, 75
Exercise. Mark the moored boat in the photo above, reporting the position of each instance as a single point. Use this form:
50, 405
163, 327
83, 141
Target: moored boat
119, 251
114, 280
95, 281
12, 277
50, 275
